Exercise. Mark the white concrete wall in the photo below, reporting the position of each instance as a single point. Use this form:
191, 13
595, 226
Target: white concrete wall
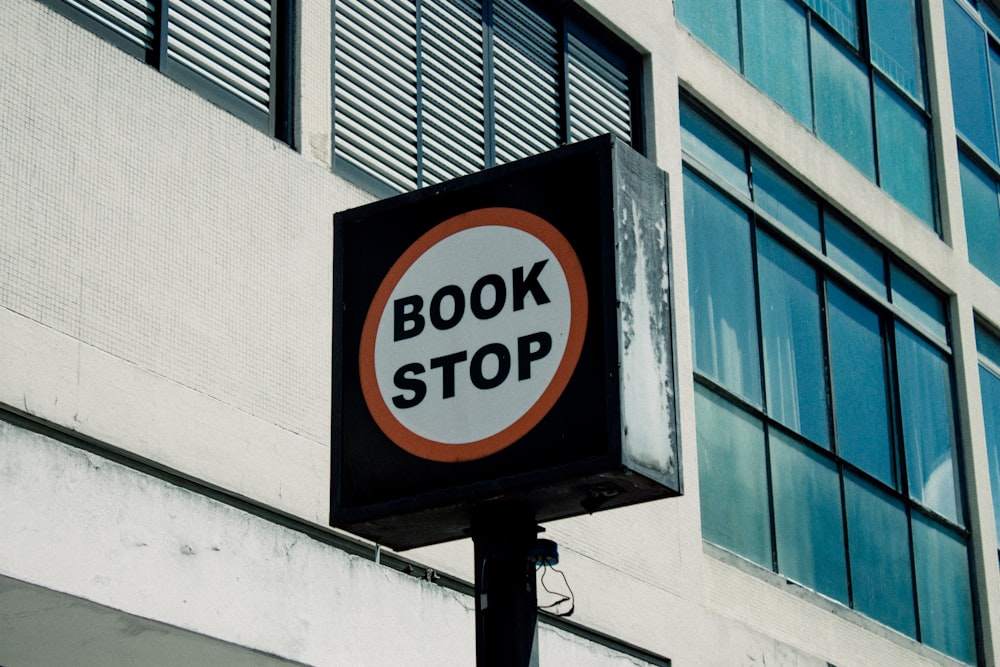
165, 289
177, 561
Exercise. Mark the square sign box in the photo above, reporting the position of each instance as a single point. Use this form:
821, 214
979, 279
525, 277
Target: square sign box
505, 337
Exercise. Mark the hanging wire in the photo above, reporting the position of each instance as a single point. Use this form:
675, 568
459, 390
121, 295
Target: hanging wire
561, 597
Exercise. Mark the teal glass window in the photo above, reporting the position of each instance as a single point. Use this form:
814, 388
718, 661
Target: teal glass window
841, 14
857, 491
904, 153
732, 473
894, 40
860, 385
925, 398
970, 79
713, 22
846, 85
808, 520
990, 18
858, 257
788, 204
715, 149
982, 218
989, 387
994, 65
794, 373
843, 110
775, 31
944, 597
918, 301
720, 272
878, 531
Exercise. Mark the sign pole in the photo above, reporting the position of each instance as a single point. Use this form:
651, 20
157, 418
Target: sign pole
506, 598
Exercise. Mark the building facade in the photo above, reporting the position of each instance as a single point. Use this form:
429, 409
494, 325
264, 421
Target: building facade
169, 177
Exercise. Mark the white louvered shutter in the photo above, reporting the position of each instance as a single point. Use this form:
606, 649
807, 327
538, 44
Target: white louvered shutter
228, 42
375, 89
599, 100
131, 19
451, 84
526, 82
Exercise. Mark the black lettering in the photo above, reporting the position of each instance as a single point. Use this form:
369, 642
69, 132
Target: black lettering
529, 285
413, 384
479, 380
406, 310
458, 302
499, 296
447, 366
525, 355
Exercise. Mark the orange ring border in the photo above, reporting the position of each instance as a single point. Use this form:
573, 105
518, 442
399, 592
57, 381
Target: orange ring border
477, 449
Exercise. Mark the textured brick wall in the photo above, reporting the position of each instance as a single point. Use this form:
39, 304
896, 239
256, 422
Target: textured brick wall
146, 222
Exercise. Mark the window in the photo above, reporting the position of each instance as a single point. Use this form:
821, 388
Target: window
426, 91
989, 385
974, 62
981, 207
824, 398
858, 84
234, 52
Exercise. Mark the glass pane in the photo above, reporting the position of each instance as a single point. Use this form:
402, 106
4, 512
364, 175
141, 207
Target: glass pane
793, 342
904, 157
994, 63
988, 345
918, 301
989, 385
714, 23
808, 523
990, 18
982, 219
714, 148
720, 272
859, 385
970, 83
895, 43
881, 579
776, 53
928, 423
943, 590
732, 476
789, 205
843, 103
841, 14
861, 259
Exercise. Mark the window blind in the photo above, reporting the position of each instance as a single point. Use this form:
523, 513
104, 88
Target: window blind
228, 42
428, 90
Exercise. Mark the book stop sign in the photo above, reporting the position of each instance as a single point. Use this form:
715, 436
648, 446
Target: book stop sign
473, 334
504, 338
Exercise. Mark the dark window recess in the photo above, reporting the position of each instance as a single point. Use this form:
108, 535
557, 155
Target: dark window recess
429, 90
235, 53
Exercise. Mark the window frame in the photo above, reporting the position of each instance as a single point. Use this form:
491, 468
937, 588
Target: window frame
861, 54
567, 18
891, 315
278, 121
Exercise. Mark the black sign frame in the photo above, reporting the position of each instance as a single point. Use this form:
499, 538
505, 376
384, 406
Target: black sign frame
573, 461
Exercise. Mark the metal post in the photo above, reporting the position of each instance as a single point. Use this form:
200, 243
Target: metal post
506, 599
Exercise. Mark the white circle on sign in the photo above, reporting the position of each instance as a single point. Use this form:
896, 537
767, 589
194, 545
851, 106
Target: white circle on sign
473, 334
